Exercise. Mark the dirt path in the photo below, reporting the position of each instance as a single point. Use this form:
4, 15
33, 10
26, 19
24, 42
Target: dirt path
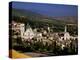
15, 54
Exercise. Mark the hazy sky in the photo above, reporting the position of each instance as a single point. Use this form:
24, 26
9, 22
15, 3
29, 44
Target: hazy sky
48, 9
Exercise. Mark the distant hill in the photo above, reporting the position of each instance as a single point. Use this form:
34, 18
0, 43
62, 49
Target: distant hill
26, 13
69, 19
35, 17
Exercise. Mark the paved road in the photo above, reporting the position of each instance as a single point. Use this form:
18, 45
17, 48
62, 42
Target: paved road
34, 54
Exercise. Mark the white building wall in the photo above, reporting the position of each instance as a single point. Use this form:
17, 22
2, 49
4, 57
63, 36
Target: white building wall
22, 29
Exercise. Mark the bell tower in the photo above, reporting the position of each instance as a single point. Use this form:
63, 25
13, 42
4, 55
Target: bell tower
66, 34
65, 28
65, 31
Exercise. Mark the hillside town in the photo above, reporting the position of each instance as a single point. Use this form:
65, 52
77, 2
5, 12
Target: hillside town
63, 40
